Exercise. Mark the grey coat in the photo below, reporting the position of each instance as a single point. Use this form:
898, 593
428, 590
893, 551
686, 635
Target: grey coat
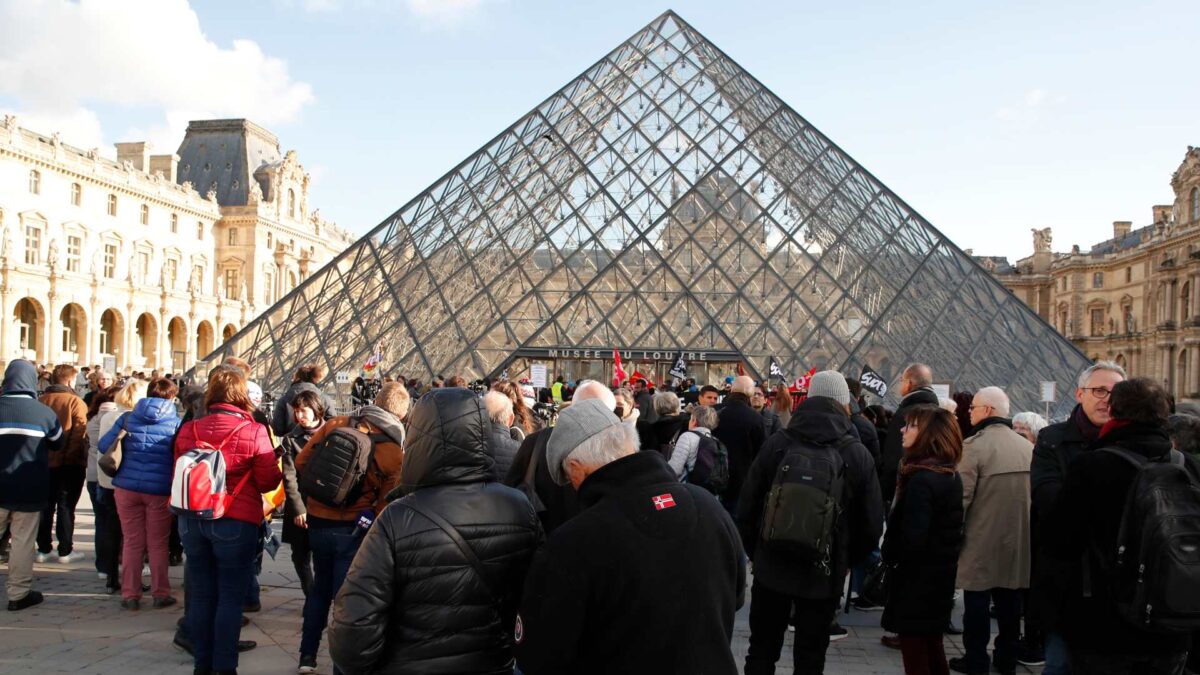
996, 503
504, 449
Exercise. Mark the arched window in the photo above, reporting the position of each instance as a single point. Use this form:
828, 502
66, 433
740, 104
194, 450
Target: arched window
35, 182
291, 203
1196, 204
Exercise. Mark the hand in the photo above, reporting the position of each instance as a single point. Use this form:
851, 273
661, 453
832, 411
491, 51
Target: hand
301, 520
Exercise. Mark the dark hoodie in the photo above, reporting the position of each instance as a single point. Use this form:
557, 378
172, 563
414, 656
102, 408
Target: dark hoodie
819, 425
413, 603
29, 431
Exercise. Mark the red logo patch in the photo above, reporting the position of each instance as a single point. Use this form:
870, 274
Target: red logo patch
663, 502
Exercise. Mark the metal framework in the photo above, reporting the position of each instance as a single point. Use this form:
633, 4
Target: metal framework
663, 199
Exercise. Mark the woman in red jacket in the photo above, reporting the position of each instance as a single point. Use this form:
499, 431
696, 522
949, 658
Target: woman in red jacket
220, 553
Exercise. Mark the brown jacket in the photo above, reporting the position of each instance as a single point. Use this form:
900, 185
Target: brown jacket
388, 457
72, 415
995, 476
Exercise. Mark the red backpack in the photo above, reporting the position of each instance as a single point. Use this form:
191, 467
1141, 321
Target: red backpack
198, 489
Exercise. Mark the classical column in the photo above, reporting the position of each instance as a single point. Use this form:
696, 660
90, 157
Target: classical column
132, 350
1193, 371
6, 320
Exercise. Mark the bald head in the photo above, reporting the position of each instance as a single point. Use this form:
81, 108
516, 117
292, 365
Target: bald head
915, 376
743, 384
589, 389
995, 398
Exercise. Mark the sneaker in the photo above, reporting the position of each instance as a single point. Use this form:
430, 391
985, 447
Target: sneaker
145, 570
308, 663
863, 605
71, 557
42, 557
836, 632
1030, 653
167, 601
102, 575
31, 598
131, 604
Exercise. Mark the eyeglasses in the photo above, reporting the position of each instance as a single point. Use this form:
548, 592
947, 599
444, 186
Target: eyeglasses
1099, 392
758, 394
972, 407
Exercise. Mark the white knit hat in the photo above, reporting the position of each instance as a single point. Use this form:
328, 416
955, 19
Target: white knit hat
829, 384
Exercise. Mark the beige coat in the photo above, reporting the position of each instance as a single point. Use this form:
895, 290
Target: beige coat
995, 476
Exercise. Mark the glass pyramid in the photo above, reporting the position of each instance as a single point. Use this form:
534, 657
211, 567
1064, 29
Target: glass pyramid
662, 200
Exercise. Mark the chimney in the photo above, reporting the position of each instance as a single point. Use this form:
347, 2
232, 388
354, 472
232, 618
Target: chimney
1162, 214
167, 164
137, 153
1121, 228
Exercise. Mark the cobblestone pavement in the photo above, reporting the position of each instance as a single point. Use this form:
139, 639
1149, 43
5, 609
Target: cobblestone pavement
80, 629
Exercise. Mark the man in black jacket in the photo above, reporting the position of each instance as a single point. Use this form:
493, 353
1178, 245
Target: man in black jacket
435, 584
1057, 445
916, 388
646, 579
742, 431
783, 580
29, 432
1085, 525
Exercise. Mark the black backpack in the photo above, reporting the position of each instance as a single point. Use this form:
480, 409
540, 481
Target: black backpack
711, 470
338, 465
801, 511
1155, 576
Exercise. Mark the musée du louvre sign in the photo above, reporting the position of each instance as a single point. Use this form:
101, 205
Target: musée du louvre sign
634, 354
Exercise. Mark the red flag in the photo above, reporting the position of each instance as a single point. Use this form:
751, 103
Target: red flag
638, 376
741, 369
802, 383
619, 374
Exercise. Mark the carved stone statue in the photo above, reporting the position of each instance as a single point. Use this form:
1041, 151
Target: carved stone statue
6, 244
255, 191
1041, 240
52, 258
212, 193
220, 287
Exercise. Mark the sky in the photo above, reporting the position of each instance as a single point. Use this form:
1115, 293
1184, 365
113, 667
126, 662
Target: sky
989, 118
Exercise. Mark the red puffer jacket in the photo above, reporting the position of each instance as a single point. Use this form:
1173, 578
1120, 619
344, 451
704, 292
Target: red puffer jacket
249, 450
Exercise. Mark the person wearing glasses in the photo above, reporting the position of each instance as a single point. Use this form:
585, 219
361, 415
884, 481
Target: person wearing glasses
1057, 446
994, 563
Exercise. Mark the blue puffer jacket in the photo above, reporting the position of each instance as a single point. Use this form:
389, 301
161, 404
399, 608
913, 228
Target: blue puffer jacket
147, 456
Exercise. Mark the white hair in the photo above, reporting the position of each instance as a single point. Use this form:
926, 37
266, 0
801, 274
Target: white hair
743, 384
1096, 367
499, 407
705, 416
948, 404
588, 389
606, 446
666, 403
996, 398
1031, 420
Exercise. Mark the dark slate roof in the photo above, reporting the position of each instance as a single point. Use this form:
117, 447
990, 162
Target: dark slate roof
1131, 240
225, 154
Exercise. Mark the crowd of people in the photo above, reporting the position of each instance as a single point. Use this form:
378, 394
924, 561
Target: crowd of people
452, 528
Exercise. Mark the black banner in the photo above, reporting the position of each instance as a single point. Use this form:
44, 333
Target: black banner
776, 371
872, 382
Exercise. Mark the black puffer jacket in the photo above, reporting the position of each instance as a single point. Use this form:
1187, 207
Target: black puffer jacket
818, 425
412, 603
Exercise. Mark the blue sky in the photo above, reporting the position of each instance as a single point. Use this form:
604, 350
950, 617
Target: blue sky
988, 118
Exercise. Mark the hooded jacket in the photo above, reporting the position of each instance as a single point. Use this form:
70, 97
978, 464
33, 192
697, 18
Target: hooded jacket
646, 579
281, 417
29, 432
412, 603
818, 425
72, 415
147, 458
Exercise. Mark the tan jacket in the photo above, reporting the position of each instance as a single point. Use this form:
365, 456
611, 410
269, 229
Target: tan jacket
995, 476
72, 415
376, 485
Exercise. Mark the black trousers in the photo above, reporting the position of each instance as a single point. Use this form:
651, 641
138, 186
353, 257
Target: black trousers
770, 613
302, 559
66, 485
977, 628
113, 539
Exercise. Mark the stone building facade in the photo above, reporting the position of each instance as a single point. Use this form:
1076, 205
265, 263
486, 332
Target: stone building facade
149, 261
1133, 298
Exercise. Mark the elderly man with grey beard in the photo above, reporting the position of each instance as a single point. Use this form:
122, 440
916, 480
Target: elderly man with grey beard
645, 579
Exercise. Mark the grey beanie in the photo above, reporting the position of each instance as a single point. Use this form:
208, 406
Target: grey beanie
829, 384
576, 423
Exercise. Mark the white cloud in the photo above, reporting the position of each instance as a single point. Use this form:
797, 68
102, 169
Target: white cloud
428, 13
57, 57
442, 11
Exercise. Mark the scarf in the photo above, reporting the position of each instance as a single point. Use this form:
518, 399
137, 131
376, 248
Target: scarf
908, 467
382, 420
1088, 430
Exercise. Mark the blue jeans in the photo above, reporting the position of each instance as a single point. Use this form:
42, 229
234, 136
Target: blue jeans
333, 550
220, 557
1058, 660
